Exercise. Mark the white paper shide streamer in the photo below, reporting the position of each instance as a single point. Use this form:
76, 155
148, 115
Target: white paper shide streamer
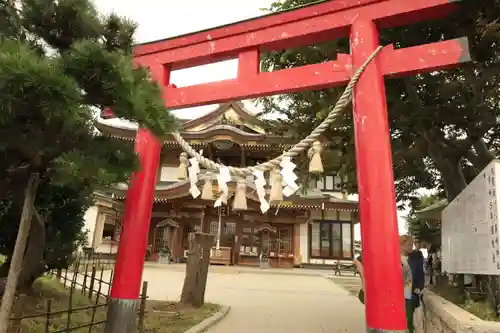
193, 172
260, 182
223, 178
289, 177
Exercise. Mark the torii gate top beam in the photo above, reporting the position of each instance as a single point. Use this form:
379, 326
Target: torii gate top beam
248, 38
308, 25
311, 24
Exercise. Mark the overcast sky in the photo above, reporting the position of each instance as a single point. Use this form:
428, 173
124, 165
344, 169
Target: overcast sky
158, 19
163, 19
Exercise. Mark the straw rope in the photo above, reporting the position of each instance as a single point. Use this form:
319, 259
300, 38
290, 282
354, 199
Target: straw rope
305, 143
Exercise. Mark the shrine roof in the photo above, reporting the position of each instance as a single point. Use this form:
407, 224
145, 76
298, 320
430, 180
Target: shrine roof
432, 212
229, 121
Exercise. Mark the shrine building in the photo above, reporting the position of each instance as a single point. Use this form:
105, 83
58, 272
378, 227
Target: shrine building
310, 228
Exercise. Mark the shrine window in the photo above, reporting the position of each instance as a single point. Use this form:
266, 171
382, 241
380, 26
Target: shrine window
330, 183
331, 240
229, 228
213, 230
227, 234
110, 231
192, 227
250, 242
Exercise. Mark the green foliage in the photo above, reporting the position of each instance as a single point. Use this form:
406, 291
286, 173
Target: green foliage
63, 208
444, 125
421, 229
61, 62
165, 251
481, 309
477, 306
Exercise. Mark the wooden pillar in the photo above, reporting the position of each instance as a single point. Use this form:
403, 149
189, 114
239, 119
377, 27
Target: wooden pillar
204, 220
243, 156
153, 241
210, 151
180, 245
176, 244
296, 245
352, 234
237, 243
158, 172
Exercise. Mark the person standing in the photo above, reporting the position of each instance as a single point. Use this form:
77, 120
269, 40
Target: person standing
430, 267
406, 248
416, 262
359, 267
434, 264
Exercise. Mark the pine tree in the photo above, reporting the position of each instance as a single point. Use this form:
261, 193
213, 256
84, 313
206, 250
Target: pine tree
60, 63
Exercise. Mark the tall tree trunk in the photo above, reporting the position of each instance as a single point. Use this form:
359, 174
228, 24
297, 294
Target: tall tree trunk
485, 156
33, 261
453, 178
451, 171
18, 254
34, 264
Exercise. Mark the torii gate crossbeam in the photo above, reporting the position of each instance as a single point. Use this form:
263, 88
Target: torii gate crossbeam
327, 20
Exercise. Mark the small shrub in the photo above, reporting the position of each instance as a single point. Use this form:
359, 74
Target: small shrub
476, 305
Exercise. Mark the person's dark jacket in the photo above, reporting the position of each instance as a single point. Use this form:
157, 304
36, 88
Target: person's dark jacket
416, 263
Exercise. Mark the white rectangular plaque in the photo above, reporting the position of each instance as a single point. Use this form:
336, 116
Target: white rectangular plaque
470, 231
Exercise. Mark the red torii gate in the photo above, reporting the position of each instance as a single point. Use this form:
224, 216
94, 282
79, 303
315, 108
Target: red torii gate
245, 40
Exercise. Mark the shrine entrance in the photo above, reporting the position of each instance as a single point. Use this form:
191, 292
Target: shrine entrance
362, 19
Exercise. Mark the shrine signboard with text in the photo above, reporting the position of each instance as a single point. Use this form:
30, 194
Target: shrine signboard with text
245, 41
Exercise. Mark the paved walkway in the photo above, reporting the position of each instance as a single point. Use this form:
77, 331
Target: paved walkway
293, 301
265, 301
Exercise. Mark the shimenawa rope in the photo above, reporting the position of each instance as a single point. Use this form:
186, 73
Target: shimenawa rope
342, 102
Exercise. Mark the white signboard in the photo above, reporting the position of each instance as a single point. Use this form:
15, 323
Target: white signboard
470, 229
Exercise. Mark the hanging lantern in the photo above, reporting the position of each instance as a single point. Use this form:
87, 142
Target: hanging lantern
207, 192
182, 170
276, 187
314, 153
240, 197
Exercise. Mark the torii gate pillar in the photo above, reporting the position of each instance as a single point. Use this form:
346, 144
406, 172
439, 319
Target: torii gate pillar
377, 202
385, 308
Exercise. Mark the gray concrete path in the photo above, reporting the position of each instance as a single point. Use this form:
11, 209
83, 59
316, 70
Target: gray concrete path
264, 301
